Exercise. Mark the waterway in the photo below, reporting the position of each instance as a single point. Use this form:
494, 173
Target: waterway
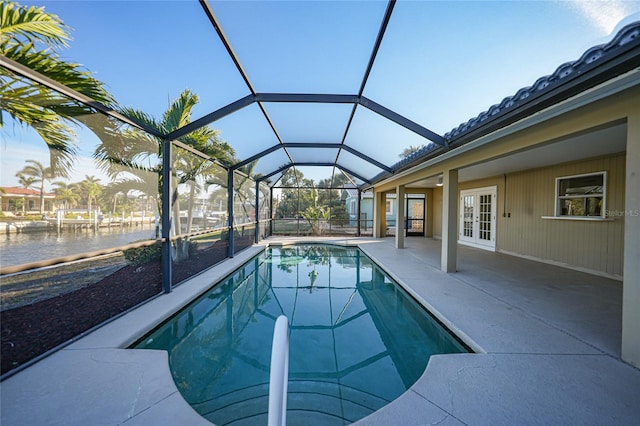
17, 249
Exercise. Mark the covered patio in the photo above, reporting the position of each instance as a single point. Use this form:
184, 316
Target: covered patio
547, 343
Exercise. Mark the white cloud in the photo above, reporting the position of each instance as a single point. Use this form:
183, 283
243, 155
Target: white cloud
604, 15
13, 158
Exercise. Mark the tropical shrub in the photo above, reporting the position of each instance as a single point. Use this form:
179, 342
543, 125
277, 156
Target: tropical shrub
141, 255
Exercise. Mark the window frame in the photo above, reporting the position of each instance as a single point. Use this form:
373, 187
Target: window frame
559, 198
389, 207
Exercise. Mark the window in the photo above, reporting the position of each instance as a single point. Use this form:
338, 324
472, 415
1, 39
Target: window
389, 208
581, 195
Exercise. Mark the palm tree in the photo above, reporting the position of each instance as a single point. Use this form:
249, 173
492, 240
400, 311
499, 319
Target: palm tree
411, 149
66, 193
91, 188
26, 181
40, 174
33, 37
244, 189
134, 158
111, 193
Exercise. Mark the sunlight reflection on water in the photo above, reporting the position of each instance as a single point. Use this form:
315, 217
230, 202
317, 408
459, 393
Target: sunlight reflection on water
16, 249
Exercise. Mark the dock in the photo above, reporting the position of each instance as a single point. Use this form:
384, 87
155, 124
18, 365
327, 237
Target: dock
67, 225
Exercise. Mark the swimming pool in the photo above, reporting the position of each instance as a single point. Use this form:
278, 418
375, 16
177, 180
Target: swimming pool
357, 340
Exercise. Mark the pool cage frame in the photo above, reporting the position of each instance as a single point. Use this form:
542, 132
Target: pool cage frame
262, 224
171, 141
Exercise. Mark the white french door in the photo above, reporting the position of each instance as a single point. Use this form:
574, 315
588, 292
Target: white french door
478, 217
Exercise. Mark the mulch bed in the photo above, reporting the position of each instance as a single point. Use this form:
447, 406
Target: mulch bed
31, 330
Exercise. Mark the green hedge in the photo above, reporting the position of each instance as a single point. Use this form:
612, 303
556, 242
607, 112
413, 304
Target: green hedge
141, 255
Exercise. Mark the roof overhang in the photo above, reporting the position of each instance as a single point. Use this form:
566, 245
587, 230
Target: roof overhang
602, 91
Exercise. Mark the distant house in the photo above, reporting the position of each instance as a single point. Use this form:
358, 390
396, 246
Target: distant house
413, 211
22, 200
350, 197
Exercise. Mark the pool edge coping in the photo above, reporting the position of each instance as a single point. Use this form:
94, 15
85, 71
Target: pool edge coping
255, 250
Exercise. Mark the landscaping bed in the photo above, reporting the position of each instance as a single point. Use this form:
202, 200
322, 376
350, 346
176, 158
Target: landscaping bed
31, 330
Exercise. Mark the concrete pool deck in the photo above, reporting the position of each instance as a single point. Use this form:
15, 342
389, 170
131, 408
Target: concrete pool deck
548, 343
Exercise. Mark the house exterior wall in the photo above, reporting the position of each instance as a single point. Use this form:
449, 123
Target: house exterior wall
366, 214
429, 213
530, 195
30, 204
594, 246
390, 215
437, 213
462, 186
606, 247
366, 210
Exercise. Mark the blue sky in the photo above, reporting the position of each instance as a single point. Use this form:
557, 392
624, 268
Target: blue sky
440, 64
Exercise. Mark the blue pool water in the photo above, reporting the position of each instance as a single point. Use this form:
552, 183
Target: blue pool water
357, 340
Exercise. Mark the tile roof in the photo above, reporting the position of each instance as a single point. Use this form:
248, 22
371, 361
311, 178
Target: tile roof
16, 190
628, 36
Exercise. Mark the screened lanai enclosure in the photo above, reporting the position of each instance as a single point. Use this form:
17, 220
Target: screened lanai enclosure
154, 139
267, 160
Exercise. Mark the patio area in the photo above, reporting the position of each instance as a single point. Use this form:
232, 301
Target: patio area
547, 341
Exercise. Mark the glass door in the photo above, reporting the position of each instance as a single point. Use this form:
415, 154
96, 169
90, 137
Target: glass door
415, 217
468, 212
478, 217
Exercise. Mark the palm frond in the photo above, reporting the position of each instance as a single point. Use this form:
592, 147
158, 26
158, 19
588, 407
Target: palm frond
70, 74
32, 24
59, 137
207, 141
143, 119
115, 165
61, 154
124, 149
179, 112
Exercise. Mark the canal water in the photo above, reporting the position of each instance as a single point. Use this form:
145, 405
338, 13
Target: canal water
16, 249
